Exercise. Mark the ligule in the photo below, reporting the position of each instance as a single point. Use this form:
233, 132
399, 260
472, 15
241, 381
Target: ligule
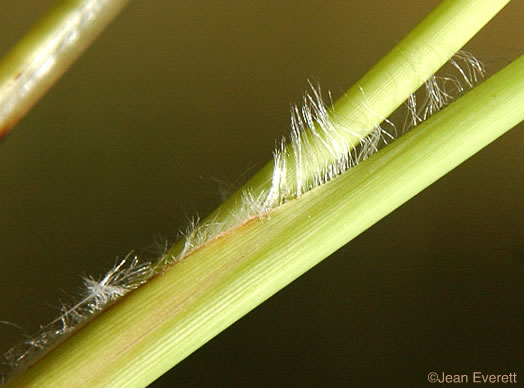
298, 167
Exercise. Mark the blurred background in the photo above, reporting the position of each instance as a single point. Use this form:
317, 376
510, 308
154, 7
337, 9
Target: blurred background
176, 102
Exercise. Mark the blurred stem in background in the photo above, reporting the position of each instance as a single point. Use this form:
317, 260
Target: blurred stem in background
47, 51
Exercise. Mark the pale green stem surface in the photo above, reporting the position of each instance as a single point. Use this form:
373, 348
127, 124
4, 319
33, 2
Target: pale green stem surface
390, 82
47, 51
153, 328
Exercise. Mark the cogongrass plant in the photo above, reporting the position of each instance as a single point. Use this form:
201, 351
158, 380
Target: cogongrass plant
293, 213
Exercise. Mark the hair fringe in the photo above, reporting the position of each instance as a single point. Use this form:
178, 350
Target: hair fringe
296, 170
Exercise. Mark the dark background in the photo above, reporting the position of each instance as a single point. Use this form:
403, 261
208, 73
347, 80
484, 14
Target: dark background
177, 99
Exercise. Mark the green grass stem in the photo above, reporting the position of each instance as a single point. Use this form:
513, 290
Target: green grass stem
390, 82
